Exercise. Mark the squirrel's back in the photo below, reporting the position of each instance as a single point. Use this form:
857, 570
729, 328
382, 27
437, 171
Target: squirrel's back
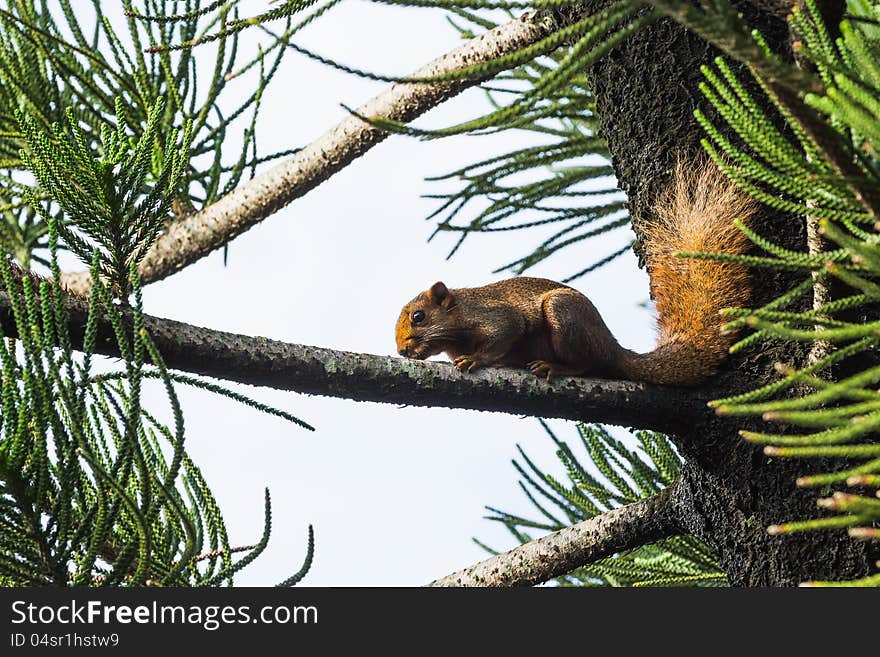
695, 214
522, 291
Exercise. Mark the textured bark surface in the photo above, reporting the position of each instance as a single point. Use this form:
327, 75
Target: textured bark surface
556, 554
364, 377
729, 491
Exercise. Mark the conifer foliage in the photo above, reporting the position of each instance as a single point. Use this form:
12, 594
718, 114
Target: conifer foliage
71, 67
569, 194
94, 489
104, 139
830, 174
611, 475
814, 155
99, 146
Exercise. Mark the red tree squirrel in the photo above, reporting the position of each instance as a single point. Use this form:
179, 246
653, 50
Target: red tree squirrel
554, 330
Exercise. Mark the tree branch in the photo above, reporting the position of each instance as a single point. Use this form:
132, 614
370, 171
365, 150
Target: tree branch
556, 554
363, 377
190, 239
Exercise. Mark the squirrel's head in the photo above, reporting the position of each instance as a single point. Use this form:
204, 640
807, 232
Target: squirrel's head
426, 324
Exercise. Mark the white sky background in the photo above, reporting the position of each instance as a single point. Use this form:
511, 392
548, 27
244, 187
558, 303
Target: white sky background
395, 495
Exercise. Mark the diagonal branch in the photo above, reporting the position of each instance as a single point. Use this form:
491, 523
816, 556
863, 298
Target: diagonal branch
364, 377
557, 554
197, 235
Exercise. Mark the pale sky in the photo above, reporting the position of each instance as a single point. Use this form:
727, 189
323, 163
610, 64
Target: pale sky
395, 495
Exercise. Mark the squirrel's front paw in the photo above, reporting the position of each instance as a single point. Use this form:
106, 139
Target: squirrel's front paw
467, 363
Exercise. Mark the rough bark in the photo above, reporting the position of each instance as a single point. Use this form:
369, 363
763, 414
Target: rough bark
364, 377
556, 554
729, 491
193, 237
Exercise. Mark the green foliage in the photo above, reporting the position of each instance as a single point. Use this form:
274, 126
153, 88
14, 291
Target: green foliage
73, 55
98, 197
561, 189
816, 156
101, 147
544, 94
823, 165
616, 476
94, 489
231, 27
564, 187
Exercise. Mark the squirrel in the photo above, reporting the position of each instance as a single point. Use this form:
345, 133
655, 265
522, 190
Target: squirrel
554, 330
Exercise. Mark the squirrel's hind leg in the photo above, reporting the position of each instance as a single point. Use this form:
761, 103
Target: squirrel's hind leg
550, 371
579, 338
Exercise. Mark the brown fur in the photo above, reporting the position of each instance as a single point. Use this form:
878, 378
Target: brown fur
695, 215
555, 330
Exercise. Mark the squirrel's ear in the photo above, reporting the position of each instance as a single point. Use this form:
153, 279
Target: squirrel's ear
438, 293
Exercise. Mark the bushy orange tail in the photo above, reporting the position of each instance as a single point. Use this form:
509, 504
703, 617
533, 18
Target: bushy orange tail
695, 215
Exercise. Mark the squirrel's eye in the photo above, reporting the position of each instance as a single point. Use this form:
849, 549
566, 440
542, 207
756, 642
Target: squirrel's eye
418, 317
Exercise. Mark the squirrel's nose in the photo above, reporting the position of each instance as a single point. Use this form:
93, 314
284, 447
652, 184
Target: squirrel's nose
404, 351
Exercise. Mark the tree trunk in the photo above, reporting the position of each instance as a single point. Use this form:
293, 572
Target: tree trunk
647, 90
